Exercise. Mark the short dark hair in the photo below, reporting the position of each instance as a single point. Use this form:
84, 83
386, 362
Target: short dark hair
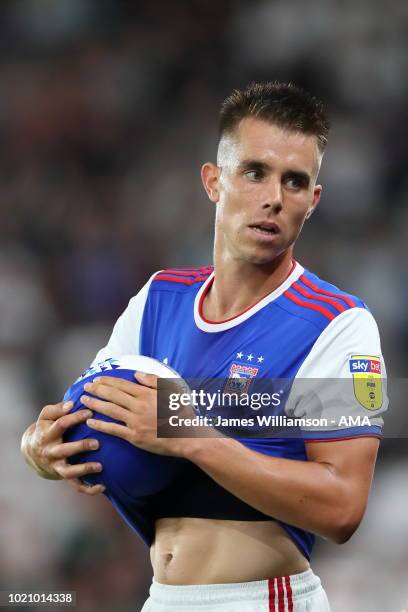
282, 104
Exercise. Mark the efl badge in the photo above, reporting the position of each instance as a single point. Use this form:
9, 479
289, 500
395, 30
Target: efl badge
366, 371
239, 378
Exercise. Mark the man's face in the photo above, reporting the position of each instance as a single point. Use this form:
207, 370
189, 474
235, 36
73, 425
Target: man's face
264, 186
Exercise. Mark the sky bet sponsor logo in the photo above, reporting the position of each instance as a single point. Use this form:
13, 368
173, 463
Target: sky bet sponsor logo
370, 365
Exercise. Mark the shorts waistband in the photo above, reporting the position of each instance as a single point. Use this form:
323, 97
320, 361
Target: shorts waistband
282, 588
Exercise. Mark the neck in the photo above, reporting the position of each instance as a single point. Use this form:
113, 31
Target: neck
238, 285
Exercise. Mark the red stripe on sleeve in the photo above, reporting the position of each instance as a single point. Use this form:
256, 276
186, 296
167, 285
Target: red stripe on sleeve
338, 306
311, 285
271, 587
184, 281
209, 267
326, 313
289, 593
363, 435
188, 272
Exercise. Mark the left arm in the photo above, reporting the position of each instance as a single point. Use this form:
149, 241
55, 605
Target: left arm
326, 494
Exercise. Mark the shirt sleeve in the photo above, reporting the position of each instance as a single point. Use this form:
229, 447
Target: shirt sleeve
125, 337
340, 390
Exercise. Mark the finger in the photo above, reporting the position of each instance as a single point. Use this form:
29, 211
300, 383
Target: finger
80, 486
131, 388
65, 470
65, 422
120, 431
107, 392
67, 449
107, 408
147, 380
51, 412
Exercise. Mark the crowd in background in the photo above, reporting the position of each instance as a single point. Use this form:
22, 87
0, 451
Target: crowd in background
107, 111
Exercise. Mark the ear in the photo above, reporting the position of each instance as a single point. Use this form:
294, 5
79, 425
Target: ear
210, 174
317, 192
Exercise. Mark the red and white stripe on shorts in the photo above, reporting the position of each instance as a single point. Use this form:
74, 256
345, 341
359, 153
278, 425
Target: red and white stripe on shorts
280, 594
296, 593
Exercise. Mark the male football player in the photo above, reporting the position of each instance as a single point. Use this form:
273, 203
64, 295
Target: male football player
236, 532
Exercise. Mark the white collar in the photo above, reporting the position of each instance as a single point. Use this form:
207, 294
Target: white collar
211, 327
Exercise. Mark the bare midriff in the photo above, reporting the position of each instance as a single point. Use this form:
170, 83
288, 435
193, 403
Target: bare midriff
212, 551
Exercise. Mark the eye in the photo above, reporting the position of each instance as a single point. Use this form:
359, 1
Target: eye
295, 183
254, 175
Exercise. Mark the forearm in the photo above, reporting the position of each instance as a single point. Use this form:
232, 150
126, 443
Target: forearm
306, 494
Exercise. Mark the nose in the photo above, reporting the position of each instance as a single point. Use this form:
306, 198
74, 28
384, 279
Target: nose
273, 197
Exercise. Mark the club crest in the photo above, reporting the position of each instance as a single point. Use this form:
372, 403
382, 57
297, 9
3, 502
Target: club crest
239, 378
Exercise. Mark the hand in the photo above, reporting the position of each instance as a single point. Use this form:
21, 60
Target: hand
44, 449
134, 405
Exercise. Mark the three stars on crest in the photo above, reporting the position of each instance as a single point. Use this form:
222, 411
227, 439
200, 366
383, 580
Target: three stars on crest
250, 357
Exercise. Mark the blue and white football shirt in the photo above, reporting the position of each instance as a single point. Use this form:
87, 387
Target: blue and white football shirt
304, 329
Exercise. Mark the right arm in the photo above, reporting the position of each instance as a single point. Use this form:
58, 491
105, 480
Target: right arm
42, 443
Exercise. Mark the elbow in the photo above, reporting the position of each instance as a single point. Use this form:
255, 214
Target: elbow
345, 527
343, 533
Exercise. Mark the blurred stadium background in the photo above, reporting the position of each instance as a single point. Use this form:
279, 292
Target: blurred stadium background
107, 110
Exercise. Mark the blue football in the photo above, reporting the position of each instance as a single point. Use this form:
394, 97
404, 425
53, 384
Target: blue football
128, 472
